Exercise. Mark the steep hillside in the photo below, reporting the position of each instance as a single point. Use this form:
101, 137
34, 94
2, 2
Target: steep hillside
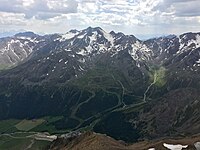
110, 82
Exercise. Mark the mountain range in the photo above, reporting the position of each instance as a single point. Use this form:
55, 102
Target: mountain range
111, 83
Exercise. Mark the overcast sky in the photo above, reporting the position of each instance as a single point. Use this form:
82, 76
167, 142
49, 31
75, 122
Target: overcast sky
138, 17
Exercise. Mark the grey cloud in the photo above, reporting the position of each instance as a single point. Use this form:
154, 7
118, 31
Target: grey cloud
40, 8
7, 6
180, 8
187, 9
71, 6
140, 16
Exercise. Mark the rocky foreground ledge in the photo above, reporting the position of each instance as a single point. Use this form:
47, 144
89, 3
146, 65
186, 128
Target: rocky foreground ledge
95, 141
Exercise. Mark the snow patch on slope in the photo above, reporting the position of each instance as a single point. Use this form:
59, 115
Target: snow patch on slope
67, 36
174, 147
140, 51
193, 43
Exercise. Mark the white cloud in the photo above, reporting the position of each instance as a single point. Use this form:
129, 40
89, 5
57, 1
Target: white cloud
88, 7
27, 3
130, 16
9, 19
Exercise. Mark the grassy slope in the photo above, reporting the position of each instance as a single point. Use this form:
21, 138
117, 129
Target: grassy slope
11, 138
26, 125
7, 126
21, 142
104, 85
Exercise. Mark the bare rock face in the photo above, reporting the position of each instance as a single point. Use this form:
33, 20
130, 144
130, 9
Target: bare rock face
17, 48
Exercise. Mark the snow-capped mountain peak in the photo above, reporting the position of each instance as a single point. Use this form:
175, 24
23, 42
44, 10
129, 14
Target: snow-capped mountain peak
88, 43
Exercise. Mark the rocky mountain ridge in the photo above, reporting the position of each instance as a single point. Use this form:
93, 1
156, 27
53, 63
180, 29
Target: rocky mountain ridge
95, 141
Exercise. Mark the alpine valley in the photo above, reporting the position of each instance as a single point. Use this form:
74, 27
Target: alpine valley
110, 83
